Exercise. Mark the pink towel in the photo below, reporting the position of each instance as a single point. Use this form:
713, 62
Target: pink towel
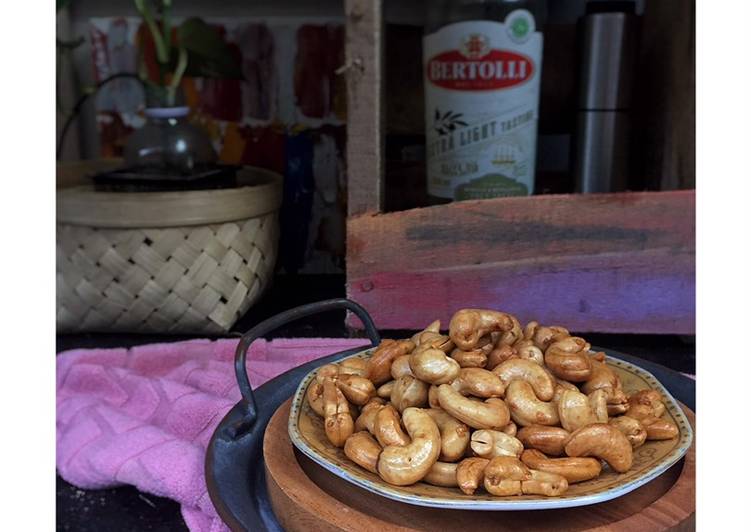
144, 416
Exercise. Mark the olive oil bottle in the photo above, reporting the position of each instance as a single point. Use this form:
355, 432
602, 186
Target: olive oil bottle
482, 63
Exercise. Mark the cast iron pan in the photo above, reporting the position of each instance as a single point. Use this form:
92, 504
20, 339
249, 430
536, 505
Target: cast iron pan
234, 470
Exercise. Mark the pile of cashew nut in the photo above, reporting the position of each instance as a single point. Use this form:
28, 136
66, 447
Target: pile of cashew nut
490, 405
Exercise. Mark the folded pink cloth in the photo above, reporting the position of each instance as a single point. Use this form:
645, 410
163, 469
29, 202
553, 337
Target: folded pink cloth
144, 416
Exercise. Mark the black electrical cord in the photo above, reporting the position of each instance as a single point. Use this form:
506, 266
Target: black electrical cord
79, 104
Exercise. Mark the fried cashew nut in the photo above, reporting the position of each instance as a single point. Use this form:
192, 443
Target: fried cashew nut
442, 474
409, 391
470, 474
358, 390
647, 406
387, 427
503, 476
384, 390
572, 469
500, 354
542, 382
431, 340
366, 419
338, 423
650, 398
617, 409
526, 409
640, 412
379, 364
431, 337
509, 336
478, 382
604, 378
402, 465
575, 410
433, 366
314, 394
657, 428
602, 441
491, 443
510, 429
568, 359
560, 387
433, 397
327, 370
477, 358
527, 350
434, 327
544, 483
400, 366
454, 435
549, 440
599, 403
542, 336
489, 414
469, 325
632, 428
363, 450
354, 366
660, 429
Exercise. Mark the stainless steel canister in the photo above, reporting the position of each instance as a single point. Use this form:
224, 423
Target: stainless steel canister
608, 40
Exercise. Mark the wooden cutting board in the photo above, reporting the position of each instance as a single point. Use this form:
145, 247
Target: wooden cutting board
306, 497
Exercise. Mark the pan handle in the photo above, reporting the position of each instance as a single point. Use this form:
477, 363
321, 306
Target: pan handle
265, 327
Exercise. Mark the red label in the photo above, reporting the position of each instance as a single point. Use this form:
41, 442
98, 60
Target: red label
497, 69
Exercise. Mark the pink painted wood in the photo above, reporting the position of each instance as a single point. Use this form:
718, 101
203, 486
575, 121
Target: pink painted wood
592, 263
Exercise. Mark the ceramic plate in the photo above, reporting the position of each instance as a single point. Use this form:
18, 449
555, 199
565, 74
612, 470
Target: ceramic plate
650, 460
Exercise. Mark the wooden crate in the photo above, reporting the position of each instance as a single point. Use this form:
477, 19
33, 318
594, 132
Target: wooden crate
591, 262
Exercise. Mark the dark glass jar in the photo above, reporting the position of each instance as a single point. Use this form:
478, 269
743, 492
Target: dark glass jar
169, 143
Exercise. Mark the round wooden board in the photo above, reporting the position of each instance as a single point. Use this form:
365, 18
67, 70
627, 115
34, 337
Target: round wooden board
305, 497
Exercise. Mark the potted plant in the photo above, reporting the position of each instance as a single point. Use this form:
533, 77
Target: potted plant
152, 247
169, 145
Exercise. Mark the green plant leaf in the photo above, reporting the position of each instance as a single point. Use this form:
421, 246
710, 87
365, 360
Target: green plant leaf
208, 55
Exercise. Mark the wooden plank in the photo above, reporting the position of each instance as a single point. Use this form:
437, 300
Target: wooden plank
365, 131
651, 292
593, 263
497, 230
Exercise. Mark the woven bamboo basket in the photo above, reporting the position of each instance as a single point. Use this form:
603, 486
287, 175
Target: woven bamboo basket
163, 262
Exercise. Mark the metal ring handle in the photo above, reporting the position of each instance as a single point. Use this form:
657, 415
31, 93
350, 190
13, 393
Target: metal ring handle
277, 321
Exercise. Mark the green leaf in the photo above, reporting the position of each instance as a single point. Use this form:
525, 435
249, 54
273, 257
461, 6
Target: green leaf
198, 37
208, 55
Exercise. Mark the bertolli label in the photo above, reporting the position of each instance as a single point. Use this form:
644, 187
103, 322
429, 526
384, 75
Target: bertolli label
482, 84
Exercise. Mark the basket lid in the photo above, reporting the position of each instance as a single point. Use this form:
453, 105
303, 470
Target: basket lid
259, 192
